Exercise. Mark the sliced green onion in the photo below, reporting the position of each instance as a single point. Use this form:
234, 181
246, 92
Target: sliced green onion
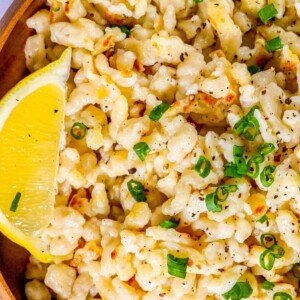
15, 202
266, 149
277, 251
246, 289
158, 111
177, 266
232, 187
267, 260
241, 290
56, 9
198, 1
231, 170
248, 125
141, 149
203, 166
239, 126
274, 44
239, 167
268, 240
253, 168
238, 151
296, 270
78, 131
266, 176
282, 296
136, 190
253, 69
252, 110
172, 223
267, 13
258, 158
223, 191
211, 203
239, 160
251, 129
123, 28
267, 285
219, 195
263, 219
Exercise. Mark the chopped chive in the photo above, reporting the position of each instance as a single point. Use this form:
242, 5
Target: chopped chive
198, 1
268, 240
267, 260
78, 131
172, 223
15, 202
141, 149
277, 251
253, 69
267, 285
177, 266
203, 166
123, 28
267, 13
263, 219
248, 126
266, 176
282, 296
274, 44
136, 190
158, 111
56, 9
241, 290
266, 149
296, 270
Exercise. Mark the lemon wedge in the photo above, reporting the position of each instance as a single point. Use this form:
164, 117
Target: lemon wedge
31, 124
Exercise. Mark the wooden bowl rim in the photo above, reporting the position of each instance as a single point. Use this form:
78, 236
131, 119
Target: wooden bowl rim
5, 292
11, 17
8, 23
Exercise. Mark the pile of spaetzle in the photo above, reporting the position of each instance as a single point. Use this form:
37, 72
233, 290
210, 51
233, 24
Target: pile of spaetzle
179, 169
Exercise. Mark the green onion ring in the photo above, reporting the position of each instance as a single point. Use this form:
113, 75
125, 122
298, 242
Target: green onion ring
203, 166
78, 131
267, 260
266, 149
296, 270
268, 240
277, 251
282, 296
266, 176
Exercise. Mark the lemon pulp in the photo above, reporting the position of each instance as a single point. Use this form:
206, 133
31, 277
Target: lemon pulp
27, 160
31, 123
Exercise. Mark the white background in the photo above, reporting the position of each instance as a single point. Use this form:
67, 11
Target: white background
4, 4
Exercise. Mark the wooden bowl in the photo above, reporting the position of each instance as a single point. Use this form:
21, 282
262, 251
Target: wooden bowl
13, 35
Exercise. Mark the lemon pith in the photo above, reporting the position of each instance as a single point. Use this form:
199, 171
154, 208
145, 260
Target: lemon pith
31, 122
